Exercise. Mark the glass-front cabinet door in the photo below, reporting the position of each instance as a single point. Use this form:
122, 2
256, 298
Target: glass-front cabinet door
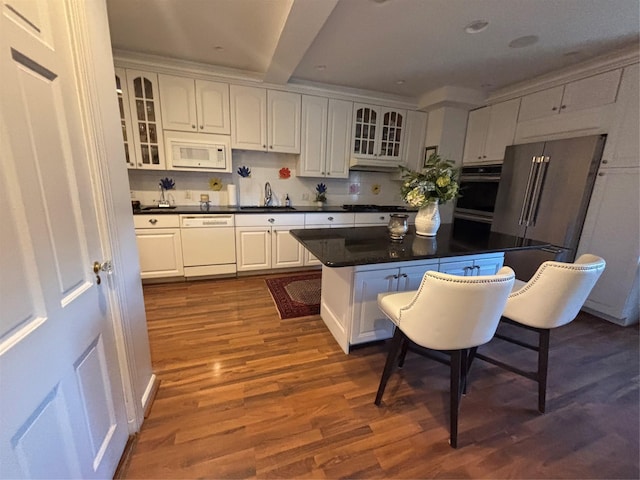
125, 117
147, 123
364, 134
391, 134
378, 132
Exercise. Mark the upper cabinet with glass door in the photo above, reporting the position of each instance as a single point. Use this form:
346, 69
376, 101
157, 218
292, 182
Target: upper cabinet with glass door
146, 121
125, 117
378, 132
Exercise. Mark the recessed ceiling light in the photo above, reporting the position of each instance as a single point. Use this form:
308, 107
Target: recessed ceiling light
525, 41
476, 26
321, 67
399, 82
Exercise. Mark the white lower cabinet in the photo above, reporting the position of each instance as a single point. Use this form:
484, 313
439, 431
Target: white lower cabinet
263, 242
368, 322
159, 246
325, 220
473, 265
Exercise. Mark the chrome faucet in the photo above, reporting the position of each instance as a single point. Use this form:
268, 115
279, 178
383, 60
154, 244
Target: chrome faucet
267, 194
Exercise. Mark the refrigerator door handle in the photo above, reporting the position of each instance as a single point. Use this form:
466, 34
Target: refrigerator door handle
543, 164
527, 192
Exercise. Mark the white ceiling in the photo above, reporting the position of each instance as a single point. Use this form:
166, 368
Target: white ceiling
375, 44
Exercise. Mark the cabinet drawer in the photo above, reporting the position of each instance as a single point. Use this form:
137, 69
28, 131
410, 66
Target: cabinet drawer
156, 221
372, 218
328, 219
269, 219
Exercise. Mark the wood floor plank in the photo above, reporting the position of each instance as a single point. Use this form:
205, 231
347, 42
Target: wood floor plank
244, 394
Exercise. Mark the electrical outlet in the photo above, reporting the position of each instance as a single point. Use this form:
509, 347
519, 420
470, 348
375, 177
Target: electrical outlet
187, 194
305, 196
133, 194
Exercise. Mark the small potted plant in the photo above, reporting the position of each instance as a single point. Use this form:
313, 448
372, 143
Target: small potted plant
321, 194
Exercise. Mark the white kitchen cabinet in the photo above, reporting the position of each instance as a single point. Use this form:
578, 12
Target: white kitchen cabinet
473, 265
263, 241
415, 140
159, 246
371, 219
286, 251
194, 105
582, 94
325, 140
378, 133
265, 120
622, 147
146, 119
126, 124
368, 322
611, 232
489, 131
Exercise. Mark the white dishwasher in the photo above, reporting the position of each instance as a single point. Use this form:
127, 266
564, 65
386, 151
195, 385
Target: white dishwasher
208, 244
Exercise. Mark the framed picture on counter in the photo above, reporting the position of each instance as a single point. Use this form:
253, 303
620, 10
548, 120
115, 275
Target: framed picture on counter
428, 151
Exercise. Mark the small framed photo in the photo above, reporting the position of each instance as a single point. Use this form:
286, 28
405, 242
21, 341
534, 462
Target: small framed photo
428, 151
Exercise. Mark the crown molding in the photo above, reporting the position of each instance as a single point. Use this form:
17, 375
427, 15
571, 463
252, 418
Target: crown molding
604, 63
172, 66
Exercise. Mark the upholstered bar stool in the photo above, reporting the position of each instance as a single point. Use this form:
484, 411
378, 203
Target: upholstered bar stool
448, 313
552, 298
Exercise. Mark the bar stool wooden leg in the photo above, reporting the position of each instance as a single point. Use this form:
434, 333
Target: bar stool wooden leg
543, 365
396, 343
454, 395
403, 353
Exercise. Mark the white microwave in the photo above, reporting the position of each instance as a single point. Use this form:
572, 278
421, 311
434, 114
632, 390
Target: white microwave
198, 151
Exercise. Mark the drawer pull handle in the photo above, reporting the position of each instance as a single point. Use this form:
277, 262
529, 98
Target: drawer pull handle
153, 221
330, 219
271, 220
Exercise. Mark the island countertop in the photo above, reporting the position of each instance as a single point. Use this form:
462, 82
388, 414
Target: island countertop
343, 247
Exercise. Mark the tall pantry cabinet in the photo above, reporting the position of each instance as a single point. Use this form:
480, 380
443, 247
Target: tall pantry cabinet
612, 226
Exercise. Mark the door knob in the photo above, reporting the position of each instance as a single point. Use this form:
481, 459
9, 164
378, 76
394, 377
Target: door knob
105, 266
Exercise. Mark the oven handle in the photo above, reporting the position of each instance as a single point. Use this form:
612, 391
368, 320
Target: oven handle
479, 178
473, 218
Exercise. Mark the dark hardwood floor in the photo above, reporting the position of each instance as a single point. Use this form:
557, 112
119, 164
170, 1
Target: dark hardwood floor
244, 394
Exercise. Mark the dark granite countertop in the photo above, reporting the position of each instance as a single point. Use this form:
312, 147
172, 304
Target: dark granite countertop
342, 247
212, 209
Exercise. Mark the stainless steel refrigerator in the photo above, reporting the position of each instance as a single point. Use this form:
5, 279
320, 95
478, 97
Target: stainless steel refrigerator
544, 193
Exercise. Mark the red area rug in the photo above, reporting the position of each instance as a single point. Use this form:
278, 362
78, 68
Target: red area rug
296, 295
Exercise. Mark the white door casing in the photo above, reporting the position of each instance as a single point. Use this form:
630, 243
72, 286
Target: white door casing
62, 406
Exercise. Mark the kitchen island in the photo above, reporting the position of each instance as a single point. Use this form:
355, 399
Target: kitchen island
360, 262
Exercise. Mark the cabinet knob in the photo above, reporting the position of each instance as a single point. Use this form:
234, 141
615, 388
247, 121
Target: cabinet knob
328, 173
271, 220
271, 147
201, 127
382, 217
554, 108
563, 107
330, 219
139, 164
193, 126
605, 161
153, 221
601, 174
484, 156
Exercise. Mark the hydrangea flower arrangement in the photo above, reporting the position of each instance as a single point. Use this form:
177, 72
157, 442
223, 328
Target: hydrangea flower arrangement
438, 181
321, 192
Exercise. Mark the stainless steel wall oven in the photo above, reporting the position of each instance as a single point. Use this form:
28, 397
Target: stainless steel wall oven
478, 192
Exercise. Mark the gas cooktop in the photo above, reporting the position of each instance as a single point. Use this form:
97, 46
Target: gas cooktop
373, 208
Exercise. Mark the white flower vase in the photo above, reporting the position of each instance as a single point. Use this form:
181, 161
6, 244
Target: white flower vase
428, 220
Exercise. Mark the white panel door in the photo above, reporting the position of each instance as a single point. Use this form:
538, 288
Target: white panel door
253, 248
369, 323
248, 117
314, 136
160, 251
283, 126
213, 107
338, 138
476, 135
178, 99
62, 411
287, 251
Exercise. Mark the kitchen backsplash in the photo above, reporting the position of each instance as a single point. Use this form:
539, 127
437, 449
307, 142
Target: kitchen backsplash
360, 187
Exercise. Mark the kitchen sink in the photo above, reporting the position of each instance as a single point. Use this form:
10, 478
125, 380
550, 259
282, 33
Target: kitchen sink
144, 209
266, 209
